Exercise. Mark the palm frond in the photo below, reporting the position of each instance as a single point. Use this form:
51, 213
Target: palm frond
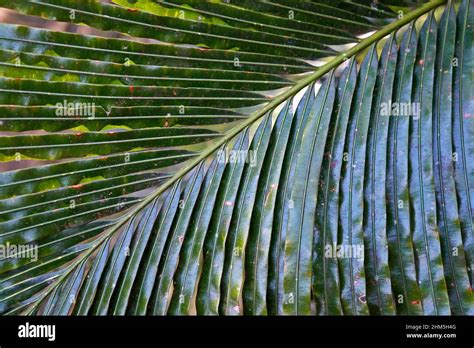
228, 147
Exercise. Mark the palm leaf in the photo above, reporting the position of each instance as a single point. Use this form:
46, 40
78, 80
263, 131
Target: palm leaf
137, 208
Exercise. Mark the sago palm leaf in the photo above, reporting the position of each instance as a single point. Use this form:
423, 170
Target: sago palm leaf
212, 157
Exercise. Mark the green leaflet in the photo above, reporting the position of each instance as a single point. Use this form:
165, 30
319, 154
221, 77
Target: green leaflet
429, 263
52, 68
208, 295
325, 268
21, 206
135, 254
369, 9
86, 295
306, 18
379, 288
280, 223
40, 41
63, 298
351, 211
401, 253
39, 92
234, 262
169, 261
454, 261
35, 226
187, 274
297, 266
81, 144
49, 247
463, 130
23, 118
260, 234
71, 174
144, 283
19, 286
249, 15
111, 273
106, 17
